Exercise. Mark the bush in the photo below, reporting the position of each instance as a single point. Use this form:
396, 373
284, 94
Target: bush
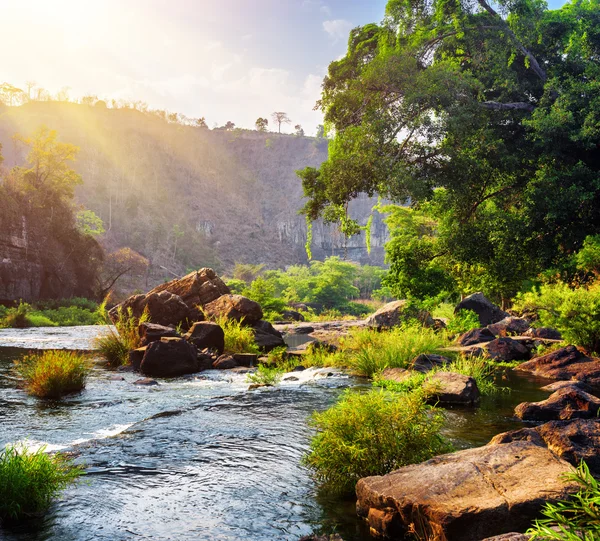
115, 345
53, 373
577, 519
238, 337
372, 433
266, 375
29, 481
574, 312
18, 317
463, 321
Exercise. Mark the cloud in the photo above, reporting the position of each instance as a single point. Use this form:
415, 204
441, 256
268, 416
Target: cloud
338, 29
314, 5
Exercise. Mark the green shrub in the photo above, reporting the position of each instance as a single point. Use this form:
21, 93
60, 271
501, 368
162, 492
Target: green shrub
18, 317
53, 373
115, 345
71, 316
372, 433
576, 519
574, 312
463, 321
239, 338
266, 375
29, 481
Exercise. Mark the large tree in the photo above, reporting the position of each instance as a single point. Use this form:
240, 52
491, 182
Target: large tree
489, 113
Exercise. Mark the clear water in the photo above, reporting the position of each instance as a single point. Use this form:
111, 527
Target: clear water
200, 458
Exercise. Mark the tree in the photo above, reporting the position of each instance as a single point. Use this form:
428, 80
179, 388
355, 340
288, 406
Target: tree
299, 130
229, 125
491, 115
30, 86
11, 95
89, 223
320, 131
201, 123
280, 118
118, 264
261, 124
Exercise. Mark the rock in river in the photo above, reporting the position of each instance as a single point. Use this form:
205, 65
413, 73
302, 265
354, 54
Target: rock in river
168, 358
206, 335
453, 388
566, 403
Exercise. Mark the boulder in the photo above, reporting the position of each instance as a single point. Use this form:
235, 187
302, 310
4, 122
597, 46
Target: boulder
545, 333
396, 374
235, 307
151, 332
168, 358
292, 315
301, 329
506, 350
453, 388
245, 359
428, 361
487, 311
551, 387
267, 338
567, 363
225, 362
476, 336
566, 403
467, 495
205, 362
136, 356
510, 325
395, 313
573, 441
163, 308
206, 335
147, 382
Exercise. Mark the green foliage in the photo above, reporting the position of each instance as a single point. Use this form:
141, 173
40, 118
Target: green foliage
263, 292
238, 337
265, 375
18, 317
89, 223
53, 373
588, 258
463, 321
576, 519
481, 370
82, 312
236, 286
372, 433
574, 312
30, 480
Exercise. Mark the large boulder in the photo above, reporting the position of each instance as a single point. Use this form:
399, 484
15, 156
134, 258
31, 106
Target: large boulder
506, 350
567, 363
510, 326
206, 335
163, 308
487, 311
453, 388
151, 332
467, 495
292, 315
235, 307
476, 336
169, 358
397, 312
266, 337
566, 403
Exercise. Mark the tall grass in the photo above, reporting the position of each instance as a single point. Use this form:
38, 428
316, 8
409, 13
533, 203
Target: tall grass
266, 375
238, 337
577, 519
372, 433
53, 373
114, 346
29, 481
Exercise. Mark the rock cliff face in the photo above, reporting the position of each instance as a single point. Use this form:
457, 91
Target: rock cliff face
185, 197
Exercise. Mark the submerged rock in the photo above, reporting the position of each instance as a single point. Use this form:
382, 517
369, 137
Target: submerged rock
487, 311
146, 382
169, 357
566, 403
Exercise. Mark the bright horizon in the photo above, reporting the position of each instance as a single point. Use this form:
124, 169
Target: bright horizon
219, 59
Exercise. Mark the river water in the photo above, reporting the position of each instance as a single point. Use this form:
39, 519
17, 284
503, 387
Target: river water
196, 458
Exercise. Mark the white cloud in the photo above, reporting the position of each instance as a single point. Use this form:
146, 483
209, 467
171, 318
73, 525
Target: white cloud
338, 29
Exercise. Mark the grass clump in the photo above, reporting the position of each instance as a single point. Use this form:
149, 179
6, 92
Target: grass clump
239, 338
29, 481
266, 375
115, 345
372, 433
577, 519
53, 373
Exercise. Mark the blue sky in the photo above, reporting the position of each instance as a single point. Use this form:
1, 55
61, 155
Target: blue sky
223, 59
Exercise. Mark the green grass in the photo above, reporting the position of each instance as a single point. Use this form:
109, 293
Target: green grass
238, 337
577, 519
29, 481
24, 315
266, 375
372, 433
53, 373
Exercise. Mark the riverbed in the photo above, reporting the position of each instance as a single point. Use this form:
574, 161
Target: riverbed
197, 457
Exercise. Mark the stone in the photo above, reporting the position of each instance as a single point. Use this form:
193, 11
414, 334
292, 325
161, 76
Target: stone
513, 536
291, 378
566, 403
136, 356
506, 350
395, 313
163, 308
301, 329
487, 311
546, 333
150, 332
396, 374
453, 388
476, 336
428, 361
225, 362
292, 315
235, 307
206, 335
148, 382
515, 326
266, 337
205, 361
245, 359
551, 387
566, 363
168, 358
467, 495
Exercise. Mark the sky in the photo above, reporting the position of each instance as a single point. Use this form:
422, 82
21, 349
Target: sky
219, 59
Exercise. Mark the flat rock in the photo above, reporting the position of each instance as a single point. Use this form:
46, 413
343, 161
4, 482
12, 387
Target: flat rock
487, 311
151, 332
566, 403
476, 336
396, 374
567, 363
301, 329
453, 388
467, 495
428, 361
506, 350
551, 387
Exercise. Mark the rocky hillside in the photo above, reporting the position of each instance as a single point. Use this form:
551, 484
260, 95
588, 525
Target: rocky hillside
187, 197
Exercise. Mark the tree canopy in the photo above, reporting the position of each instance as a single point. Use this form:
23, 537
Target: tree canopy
486, 115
